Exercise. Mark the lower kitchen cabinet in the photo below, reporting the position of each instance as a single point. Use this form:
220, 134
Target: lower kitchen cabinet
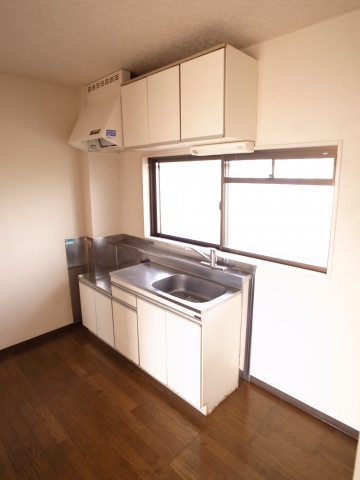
183, 347
104, 318
196, 356
126, 331
88, 311
152, 339
97, 313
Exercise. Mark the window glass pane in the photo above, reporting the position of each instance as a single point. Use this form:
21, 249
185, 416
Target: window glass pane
289, 222
250, 168
189, 197
305, 168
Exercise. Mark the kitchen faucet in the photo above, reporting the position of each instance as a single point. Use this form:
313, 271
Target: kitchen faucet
212, 258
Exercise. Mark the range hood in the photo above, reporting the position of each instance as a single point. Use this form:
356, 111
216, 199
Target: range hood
99, 127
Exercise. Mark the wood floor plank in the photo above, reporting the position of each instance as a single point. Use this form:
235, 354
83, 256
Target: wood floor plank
243, 463
101, 439
113, 390
293, 459
36, 394
159, 430
85, 445
251, 457
183, 470
20, 456
198, 466
123, 434
116, 415
168, 473
39, 462
6, 467
178, 425
130, 446
73, 408
309, 423
54, 454
294, 433
337, 452
222, 461
78, 461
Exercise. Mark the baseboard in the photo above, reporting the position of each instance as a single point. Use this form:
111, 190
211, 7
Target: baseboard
306, 408
37, 339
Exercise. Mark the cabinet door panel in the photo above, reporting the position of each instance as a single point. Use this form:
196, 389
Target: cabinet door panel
126, 331
88, 307
152, 339
164, 106
104, 319
183, 345
135, 113
202, 96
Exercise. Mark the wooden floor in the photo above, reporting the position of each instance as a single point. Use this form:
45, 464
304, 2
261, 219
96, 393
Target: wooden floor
71, 407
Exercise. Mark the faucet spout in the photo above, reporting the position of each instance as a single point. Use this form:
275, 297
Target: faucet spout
212, 259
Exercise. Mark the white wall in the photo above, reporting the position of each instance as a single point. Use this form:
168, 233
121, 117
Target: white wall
105, 199
306, 333
131, 194
41, 204
101, 187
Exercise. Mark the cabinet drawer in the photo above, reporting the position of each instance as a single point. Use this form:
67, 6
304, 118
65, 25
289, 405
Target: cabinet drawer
124, 296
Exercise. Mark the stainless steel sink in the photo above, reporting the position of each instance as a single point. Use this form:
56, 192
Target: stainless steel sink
189, 288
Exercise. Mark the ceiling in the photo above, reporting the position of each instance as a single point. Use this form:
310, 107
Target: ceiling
75, 42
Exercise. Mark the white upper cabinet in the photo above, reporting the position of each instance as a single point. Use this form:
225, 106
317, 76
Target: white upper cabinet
202, 96
219, 96
135, 114
211, 96
241, 89
164, 106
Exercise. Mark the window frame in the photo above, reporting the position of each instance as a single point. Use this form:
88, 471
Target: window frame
273, 154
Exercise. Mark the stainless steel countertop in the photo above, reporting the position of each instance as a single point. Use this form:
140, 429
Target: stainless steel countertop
144, 275
101, 279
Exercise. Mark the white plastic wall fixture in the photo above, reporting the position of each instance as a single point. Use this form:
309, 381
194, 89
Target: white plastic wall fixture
99, 121
222, 148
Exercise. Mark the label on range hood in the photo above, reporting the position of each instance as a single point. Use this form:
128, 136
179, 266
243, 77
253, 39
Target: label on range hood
110, 133
94, 132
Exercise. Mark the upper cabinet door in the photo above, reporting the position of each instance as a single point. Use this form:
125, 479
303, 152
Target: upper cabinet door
135, 114
164, 106
202, 96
